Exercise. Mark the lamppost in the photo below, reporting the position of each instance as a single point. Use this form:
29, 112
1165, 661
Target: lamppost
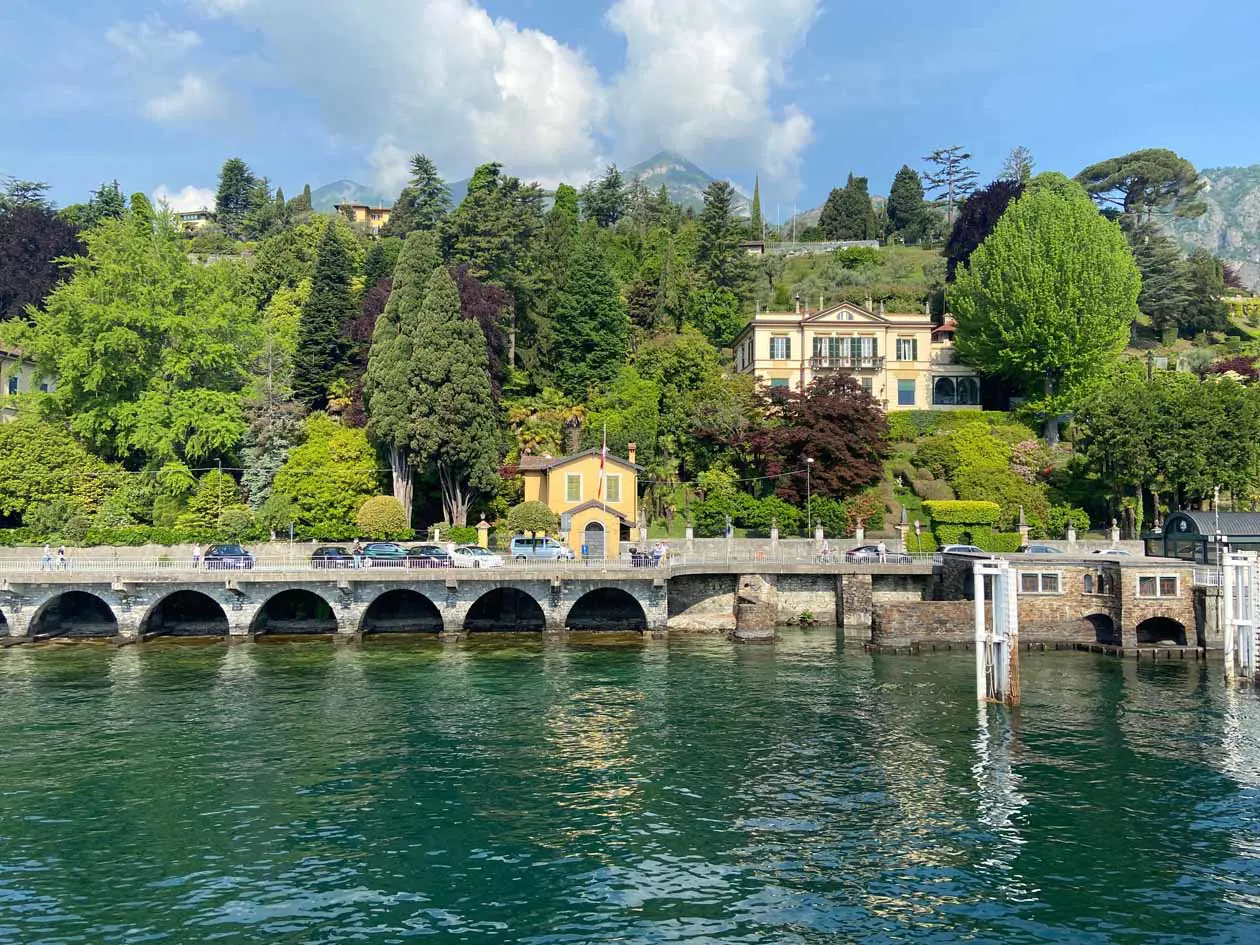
809, 507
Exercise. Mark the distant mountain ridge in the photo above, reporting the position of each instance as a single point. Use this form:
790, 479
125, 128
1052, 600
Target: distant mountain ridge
1231, 226
347, 191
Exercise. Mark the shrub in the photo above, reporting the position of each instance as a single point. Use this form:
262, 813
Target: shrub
1003, 542
534, 518
277, 513
999, 484
216, 492
459, 534
758, 515
76, 529
237, 523
903, 469
50, 518
938, 455
856, 257
963, 513
1059, 518
383, 517
933, 490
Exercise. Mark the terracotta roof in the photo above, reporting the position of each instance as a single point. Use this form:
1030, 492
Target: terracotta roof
536, 463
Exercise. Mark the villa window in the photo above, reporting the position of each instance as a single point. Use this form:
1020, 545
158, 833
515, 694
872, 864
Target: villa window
907, 349
13, 384
573, 487
613, 488
905, 392
780, 348
1034, 582
1162, 585
868, 384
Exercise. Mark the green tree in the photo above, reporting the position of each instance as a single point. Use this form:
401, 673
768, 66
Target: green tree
533, 518
328, 477
755, 223
150, 351
605, 199
1018, 166
41, 461
381, 259
320, 346
591, 327
383, 517
1141, 184
905, 205
454, 426
423, 203
302, 202
950, 176
236, 197
720, 257
630, 413
216, 492
1047, 299
848, 213
1205, 310
106, 202
1166, 285
390, 385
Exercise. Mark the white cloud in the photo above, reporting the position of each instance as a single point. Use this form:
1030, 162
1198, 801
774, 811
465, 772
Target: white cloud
195, 98
185, 200
151, 40
699, 78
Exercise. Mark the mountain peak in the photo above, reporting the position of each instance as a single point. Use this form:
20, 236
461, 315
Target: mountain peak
683, 180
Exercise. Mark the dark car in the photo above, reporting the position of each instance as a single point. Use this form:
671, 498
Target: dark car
331, 558
384, 554
228, 557
869, 554
429, 556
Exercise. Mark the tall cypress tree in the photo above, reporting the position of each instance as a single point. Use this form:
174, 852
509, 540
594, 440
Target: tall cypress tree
591, 327
848, 213
389, 388
453, 424
320, 346
755, 213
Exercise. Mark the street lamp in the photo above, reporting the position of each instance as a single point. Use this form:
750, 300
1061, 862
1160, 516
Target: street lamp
809, 507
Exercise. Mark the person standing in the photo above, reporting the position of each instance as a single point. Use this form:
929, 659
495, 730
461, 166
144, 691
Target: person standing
883, 551
357, 553
196, 555
46, 562
62, 564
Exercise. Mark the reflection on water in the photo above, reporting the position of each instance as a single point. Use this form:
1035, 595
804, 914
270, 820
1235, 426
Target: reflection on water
611, 788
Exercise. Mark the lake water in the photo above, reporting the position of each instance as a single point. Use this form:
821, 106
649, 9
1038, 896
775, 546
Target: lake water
613, 789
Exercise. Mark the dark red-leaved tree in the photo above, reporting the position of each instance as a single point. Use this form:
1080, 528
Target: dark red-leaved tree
976, 219
1245, 367
839, 426
488, 306
32, 237
358, 332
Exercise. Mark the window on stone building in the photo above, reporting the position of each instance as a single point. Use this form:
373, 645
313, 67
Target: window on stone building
1035, 582
905, 392
907, 349
13, 384
1161, 585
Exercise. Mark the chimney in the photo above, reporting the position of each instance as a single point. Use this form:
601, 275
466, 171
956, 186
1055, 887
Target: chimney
631, 449
820, 301
881, 307
759, 306
870, 304
798, 305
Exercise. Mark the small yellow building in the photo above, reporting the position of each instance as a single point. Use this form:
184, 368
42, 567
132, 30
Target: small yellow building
901, 359
371, 217
599, 518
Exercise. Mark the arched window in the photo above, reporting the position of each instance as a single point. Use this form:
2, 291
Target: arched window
944, 393
968, 389
1089, 584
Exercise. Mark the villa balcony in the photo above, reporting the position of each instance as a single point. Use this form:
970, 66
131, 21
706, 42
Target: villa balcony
846, 363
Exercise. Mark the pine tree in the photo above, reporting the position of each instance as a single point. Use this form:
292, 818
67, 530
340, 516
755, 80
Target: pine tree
905, 205
604, 200
1018, 166
320, 347
591, 327
720, 256
454, 425
951, 177
388, 387
756, 224
1166, 287
848, 213
236, 196
424, 202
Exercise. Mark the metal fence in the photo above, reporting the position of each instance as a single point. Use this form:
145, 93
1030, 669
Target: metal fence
1208, 577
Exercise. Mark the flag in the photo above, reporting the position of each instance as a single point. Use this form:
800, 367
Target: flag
603, 458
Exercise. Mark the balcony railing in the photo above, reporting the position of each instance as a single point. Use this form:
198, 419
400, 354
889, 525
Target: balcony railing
846, 362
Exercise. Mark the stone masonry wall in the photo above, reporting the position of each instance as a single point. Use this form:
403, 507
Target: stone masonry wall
703, 602
902, 623
813, 593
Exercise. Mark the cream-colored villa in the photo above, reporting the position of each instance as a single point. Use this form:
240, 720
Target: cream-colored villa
901, 359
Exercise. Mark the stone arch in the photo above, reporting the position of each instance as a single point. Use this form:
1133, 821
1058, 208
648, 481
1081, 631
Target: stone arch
74, 614
402, 610
1161, 630
968, 391
295, 610
1103, 628
505, 610
185, 613
606, 608
4, 625
944, 392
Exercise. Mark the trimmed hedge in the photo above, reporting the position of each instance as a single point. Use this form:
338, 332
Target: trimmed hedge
962, 513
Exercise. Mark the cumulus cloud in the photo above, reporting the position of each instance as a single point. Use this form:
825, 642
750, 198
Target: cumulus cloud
187, 199
699, 77
194, 98
151, 40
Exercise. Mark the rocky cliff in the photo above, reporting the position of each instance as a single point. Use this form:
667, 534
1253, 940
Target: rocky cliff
1231, 226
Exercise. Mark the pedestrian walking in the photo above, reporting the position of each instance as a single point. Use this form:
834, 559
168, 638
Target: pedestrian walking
357, 553
62, 563
196, 555
46, 562
883, 551
658, 552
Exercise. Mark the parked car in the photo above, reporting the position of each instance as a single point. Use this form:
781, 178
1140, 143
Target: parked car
1113, 552
228, 557
331, 558
1039, 550
429, 556
471, 556
543, 549
869, 554
962, 550
384, 554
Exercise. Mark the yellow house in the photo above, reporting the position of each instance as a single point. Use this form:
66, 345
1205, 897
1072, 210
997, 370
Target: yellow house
598, 512
371, 217
901, 359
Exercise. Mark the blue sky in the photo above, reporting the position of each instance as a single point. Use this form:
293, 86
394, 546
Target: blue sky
157, 93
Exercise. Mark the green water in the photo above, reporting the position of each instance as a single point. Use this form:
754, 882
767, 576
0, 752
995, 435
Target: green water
618, 790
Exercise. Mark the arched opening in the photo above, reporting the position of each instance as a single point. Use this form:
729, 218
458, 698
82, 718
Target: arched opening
74, 614
593, 540
402, 611
607, 608
185, 614
968, 391
295, 611
1161, 631
4, 625
1103, 628
505, 610
943, 392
